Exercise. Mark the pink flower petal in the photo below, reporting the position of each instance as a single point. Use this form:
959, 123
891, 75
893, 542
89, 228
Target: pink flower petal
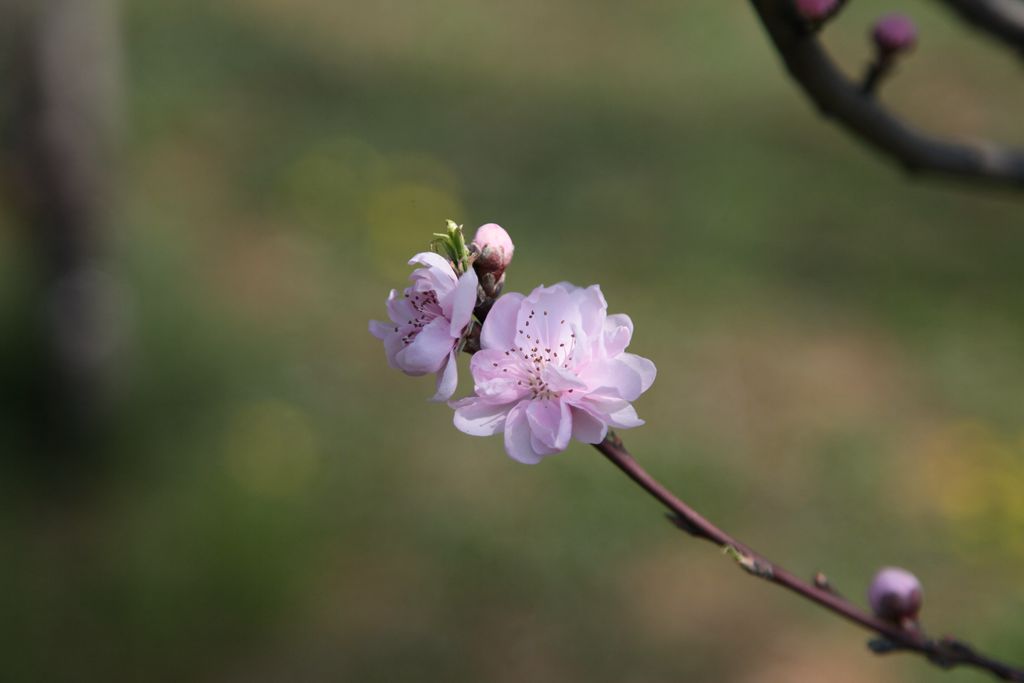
463, 302
497, 376
546, 320
540, 448
586, 427
613, 375
490, 363
447, 379
501, 390
625, 418
400, 309
428, 350
432, 260
381, 330
551, 424
592, 308
517, 437
618, 330
392, 340
582, 349
477, 417
642, 367
438, 275
561, 379
499, 329
601, 406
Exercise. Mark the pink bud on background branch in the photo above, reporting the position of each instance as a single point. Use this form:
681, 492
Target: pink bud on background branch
893, 35
552, 366
895, 594
817, 11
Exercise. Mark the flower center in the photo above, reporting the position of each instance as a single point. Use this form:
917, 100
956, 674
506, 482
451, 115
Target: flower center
534, 356
425, 308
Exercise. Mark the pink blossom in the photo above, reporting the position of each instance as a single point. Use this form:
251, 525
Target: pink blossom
552, 367
428, 321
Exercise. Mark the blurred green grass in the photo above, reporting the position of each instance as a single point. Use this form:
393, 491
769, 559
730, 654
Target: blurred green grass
838, 350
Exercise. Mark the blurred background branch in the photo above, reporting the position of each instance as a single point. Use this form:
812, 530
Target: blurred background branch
855, 107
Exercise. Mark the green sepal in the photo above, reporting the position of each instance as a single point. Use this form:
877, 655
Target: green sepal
452, 245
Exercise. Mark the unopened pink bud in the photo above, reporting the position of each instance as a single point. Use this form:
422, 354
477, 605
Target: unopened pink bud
895, 594
894, 33
816, 10
494, 248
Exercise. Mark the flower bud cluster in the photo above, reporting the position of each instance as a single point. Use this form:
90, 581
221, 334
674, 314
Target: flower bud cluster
547, 367
492, 251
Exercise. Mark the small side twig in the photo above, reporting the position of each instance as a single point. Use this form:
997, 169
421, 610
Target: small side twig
946, 652
683, 524
821, 581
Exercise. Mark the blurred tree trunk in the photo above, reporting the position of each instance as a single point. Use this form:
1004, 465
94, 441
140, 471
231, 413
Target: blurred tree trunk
61, 58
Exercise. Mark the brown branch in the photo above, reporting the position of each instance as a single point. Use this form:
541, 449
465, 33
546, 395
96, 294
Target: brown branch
841, 99
945, 652
1002, 19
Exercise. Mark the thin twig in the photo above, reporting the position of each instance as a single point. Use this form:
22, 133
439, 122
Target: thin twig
843, 100
946, 652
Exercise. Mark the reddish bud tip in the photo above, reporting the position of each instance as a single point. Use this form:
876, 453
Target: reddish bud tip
816, 10
895, 594
493, 247
894, 33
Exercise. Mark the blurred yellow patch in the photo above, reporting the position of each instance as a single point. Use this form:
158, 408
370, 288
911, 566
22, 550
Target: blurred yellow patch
401, 218
271, 449
346, 185
326, 187
974, 478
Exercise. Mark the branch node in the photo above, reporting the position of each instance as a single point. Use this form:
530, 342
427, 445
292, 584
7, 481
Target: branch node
884, 646
877, 70
821, 581
947, 652
749, 563
684, 524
